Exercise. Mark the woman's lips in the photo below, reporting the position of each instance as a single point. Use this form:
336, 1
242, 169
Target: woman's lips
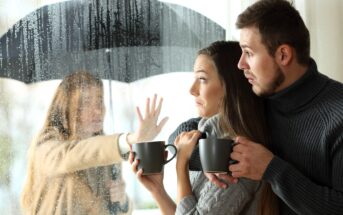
197, 103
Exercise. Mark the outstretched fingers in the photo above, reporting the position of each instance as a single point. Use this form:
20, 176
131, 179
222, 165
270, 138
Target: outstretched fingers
139, 114
159, 106
153, 104
147, 107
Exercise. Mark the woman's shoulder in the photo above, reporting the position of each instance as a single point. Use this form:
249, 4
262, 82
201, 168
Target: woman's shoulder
189, 125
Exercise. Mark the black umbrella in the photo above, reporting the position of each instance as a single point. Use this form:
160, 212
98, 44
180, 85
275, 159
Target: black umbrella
122, 40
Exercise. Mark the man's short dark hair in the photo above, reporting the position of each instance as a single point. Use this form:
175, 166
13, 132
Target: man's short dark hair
278, 23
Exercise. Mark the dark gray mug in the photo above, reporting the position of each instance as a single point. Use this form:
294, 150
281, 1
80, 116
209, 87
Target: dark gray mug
215, 154
151, 156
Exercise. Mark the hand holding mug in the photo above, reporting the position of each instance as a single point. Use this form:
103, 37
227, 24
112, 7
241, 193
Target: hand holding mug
185, 144
151, 156
153, 183
253, 159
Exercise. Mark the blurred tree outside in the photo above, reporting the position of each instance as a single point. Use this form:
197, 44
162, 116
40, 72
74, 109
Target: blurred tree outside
6, 150
6, 159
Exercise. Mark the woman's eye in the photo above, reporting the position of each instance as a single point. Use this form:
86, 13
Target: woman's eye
202, 79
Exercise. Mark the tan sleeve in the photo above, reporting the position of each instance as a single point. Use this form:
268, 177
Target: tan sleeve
61, 157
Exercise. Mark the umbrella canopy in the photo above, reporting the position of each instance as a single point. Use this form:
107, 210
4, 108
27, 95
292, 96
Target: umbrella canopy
122, 40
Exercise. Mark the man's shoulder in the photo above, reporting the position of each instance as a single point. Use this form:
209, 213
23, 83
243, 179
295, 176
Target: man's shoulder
331, 100
333, 91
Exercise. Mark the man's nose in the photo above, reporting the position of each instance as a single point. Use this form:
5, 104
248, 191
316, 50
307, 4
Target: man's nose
242, 65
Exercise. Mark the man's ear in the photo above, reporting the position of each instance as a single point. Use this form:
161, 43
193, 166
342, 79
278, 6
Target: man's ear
284, 55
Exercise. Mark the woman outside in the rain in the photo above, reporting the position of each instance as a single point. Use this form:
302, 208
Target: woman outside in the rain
70, 167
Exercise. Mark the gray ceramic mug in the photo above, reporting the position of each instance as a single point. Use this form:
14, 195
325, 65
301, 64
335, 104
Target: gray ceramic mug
215, 154
151, 156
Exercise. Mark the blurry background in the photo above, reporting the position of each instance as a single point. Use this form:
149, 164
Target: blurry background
23, 106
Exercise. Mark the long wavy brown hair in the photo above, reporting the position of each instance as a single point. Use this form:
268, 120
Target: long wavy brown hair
242, 112
61, 120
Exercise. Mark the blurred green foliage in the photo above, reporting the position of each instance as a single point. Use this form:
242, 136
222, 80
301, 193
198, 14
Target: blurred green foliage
147, 205
6, 153
5, 159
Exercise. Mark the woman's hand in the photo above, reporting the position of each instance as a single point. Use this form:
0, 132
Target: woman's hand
148, 127
153, 183
221, 180
185, 144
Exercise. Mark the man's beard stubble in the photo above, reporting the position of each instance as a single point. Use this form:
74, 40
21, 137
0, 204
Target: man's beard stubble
273, 85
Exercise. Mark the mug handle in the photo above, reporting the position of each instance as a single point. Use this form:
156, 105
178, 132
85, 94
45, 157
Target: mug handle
171, 145
233, 161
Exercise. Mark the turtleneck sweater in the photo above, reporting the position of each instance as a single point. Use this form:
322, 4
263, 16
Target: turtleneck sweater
306, 127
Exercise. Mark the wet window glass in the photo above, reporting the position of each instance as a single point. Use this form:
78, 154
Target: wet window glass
124, 51
137, 48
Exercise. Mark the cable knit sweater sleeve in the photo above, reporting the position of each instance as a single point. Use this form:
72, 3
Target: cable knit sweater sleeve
304, 195
209, 199
189, 125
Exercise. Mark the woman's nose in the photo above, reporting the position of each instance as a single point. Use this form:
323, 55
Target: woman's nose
194, 89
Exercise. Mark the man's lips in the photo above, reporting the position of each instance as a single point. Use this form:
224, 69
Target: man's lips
249, 77
250, 80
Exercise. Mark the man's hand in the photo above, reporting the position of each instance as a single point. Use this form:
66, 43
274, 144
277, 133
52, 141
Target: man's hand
253, 159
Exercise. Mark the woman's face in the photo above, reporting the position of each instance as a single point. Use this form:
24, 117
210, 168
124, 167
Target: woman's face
206, 88
92, 112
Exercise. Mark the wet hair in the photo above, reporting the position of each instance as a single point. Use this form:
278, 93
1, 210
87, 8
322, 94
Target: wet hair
242, 112
64, 111
278, 23
61, 120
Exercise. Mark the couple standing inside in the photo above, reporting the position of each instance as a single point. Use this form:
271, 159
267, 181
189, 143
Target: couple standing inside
284, 115
289, 139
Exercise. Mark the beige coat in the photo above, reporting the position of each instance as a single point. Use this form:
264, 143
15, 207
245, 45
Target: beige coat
65, 180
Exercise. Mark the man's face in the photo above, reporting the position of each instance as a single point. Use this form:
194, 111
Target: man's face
261, 69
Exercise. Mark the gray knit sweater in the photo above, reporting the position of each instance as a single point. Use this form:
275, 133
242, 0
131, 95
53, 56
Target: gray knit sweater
240, 198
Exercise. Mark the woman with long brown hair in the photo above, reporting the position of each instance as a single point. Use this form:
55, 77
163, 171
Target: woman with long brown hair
228, 107
71, 160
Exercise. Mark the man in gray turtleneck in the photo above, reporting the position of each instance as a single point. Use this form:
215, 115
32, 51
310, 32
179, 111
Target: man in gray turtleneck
304, 164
